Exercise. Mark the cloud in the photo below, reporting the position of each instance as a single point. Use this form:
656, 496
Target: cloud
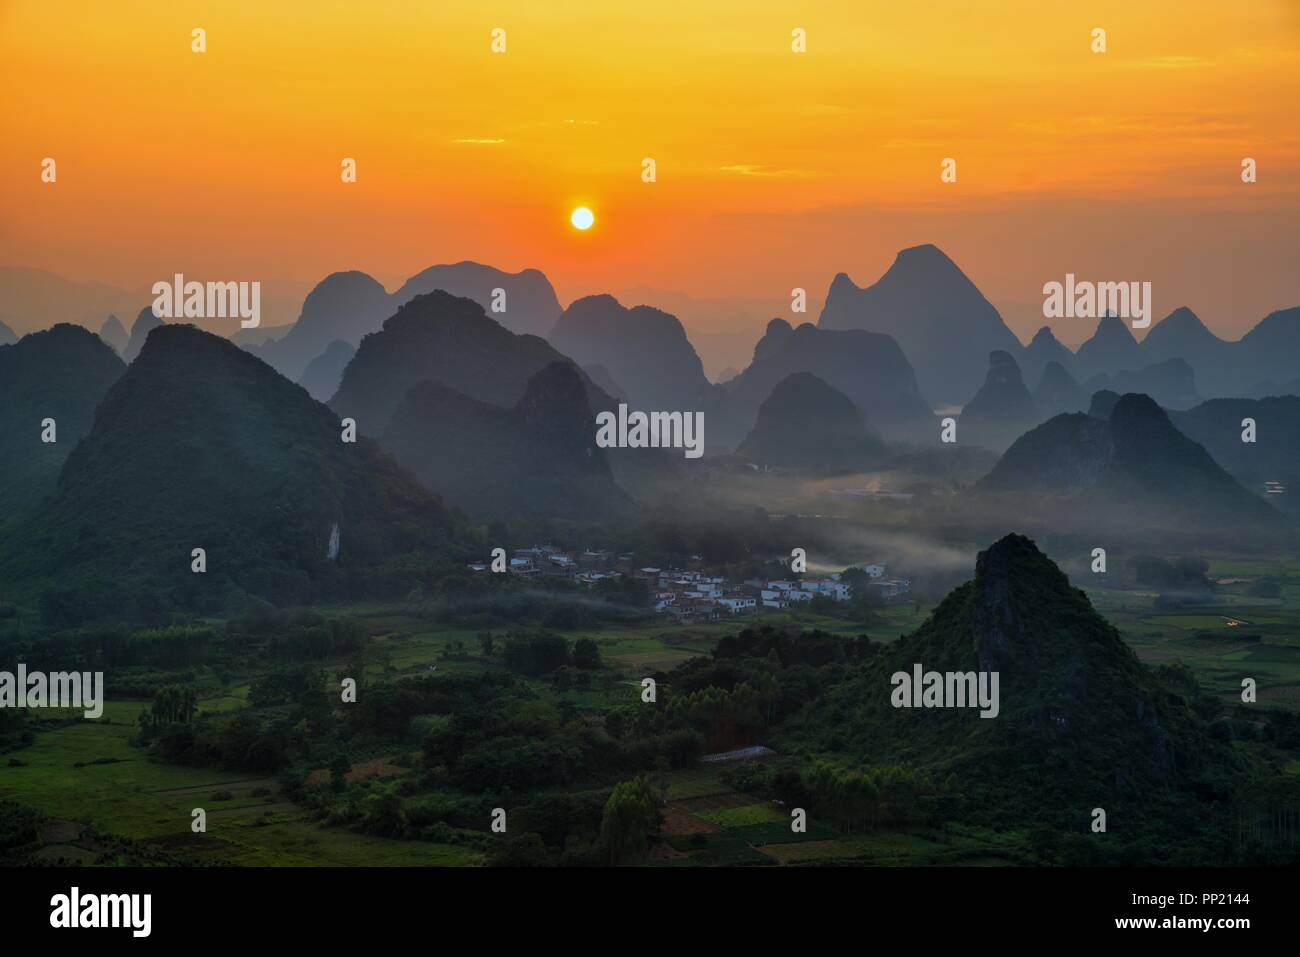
754, 169
479, 142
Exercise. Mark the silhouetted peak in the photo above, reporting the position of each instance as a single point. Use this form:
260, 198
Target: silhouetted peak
839, 285
599, 303
435, 307
1000, 361
927, 257
1183, 316
1103, 401
1135, 408
1112, 327
1056, 374
147, 316
1012, 555
554, 392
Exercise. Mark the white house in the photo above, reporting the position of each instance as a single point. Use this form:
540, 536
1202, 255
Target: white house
828, 587
891, 588
738, 604
523, 566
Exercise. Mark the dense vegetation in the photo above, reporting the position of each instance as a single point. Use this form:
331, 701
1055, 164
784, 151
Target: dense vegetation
257, 475
538, 725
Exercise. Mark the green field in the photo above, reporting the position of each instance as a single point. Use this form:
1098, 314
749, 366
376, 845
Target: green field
90, 771
87, 771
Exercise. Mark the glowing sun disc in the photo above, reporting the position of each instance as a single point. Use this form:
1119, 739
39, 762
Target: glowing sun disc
582, 218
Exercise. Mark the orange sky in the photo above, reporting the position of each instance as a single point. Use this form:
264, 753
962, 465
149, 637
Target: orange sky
775, 169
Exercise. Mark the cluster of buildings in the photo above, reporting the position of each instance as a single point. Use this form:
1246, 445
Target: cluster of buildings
684, 595
547, 561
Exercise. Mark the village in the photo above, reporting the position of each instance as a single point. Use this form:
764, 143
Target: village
691, 595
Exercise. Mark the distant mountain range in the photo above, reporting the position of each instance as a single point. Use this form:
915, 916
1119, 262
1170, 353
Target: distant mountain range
346, 306
1131, 470
113, 332
807, 425
452, 341
32, 299
1270, 351
945, 327
644, 350
1270, 465
943, 323
323, 374
201, 445
1058, 392
1182, 335
62, 374
1112, 348
1171, 383
868, 367
528, 307
37, 299
1043, 350
538, 459
1002, 409
916, 340
441, 338
145, 323
1266, 358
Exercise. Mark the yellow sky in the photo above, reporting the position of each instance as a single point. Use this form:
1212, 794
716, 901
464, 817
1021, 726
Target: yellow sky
775, 169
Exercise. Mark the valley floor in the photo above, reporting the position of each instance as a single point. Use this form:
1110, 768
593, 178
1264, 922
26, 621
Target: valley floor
83, 772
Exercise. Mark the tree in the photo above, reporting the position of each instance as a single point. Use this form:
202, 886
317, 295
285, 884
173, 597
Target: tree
383, 815
857, 580
172, 704
524, 850
630, 819
586, 654
339, 769
789, 788
536, 654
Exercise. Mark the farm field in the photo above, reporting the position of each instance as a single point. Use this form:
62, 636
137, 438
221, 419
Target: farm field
87, 771
80, 772
1221, 639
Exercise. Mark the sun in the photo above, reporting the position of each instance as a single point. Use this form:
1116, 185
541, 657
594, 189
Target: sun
582, 218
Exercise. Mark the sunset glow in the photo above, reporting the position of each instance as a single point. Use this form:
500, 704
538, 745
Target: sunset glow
775, 169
